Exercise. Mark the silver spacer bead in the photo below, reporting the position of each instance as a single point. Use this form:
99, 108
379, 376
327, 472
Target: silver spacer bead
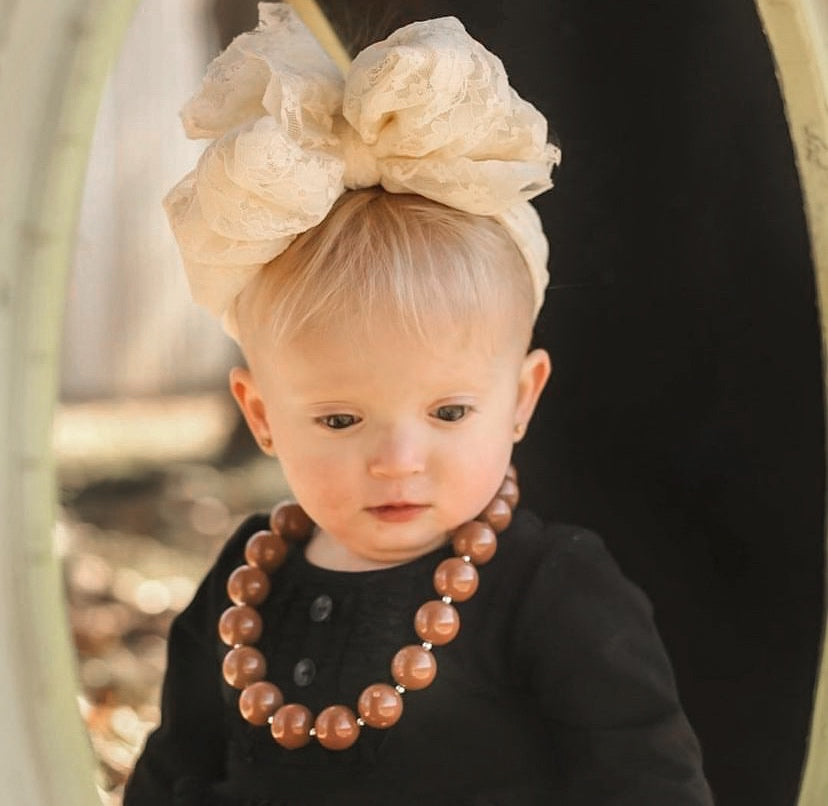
400, 689
270, 720
236, 646
360, 722
312, 732
427, 646
466, 558
447, 599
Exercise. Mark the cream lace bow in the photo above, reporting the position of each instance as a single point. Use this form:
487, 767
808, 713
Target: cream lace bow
427, 111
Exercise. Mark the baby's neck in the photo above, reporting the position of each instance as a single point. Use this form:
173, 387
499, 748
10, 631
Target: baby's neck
325, 551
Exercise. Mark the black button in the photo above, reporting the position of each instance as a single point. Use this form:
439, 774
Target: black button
321, 607
304, 672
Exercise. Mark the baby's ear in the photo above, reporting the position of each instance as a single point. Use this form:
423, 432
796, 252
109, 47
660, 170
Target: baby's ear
244, 390
534, 373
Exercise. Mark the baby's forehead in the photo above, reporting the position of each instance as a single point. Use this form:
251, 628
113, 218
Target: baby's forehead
386, 364
438, 332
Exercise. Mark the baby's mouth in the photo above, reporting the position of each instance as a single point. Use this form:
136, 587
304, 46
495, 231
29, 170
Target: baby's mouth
398, 511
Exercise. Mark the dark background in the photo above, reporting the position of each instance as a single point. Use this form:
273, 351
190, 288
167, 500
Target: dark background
684, 418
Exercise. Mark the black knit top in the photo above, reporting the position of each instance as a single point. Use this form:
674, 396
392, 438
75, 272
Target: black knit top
557, 689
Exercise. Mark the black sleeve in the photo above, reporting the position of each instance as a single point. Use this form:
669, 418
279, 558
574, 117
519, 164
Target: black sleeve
586, 639
187, 751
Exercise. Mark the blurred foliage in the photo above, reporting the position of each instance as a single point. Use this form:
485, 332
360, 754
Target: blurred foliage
136, 535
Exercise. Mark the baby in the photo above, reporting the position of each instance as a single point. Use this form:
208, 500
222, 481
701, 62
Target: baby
404, 633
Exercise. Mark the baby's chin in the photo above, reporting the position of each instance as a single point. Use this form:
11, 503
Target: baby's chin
390, 544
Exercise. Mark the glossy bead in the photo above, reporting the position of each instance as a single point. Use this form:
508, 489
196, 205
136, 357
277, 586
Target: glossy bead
437, 622
456, 578
336, 727
265, 550
476, 540
248, 585
497, 514
509, 492
413, 667
290, 521
243, 665
380, 705
259, 701
291, 726
240, 624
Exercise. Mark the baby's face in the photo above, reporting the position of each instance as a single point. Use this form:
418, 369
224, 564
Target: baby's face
391, 444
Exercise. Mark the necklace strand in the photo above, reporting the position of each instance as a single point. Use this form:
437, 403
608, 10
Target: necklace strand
414, 667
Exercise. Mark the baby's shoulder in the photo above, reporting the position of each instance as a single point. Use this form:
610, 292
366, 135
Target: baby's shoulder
562, 562
230, 557
232, 553
531, 542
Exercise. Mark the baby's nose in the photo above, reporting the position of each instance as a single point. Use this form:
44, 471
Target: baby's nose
398, 452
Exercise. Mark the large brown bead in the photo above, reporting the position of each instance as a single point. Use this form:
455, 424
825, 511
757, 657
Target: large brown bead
509, 492
248, 585
511, 473
336, 727
240, 624
265, 550
437, 622
291, 726
243, 666
380, 705
414, 667
476, 540
456, 578
497, 514
290, 521
259, 701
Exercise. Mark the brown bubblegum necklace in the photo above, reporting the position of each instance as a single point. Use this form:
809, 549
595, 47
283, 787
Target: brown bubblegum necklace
414, 667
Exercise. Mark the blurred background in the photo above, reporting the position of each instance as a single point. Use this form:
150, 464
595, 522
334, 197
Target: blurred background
154, 467
683, 422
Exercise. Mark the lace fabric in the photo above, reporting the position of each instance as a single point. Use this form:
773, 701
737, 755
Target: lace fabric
428, 110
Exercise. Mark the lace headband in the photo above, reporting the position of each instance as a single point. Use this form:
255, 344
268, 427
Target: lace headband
428, 111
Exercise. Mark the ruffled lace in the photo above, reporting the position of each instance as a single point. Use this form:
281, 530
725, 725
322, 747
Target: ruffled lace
427, 111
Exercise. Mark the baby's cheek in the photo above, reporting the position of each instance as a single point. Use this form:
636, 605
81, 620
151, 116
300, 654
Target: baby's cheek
480, 480
328, 482
333, 495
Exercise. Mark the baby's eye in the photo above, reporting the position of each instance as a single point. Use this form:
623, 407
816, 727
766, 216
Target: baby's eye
451, 413
337, 422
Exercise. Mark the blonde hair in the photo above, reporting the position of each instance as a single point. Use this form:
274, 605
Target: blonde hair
400, 257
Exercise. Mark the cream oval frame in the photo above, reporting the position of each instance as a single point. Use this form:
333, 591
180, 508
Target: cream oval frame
54, 58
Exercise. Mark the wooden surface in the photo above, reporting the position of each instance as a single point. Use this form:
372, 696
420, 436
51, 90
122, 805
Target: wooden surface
54, 57
798, 34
